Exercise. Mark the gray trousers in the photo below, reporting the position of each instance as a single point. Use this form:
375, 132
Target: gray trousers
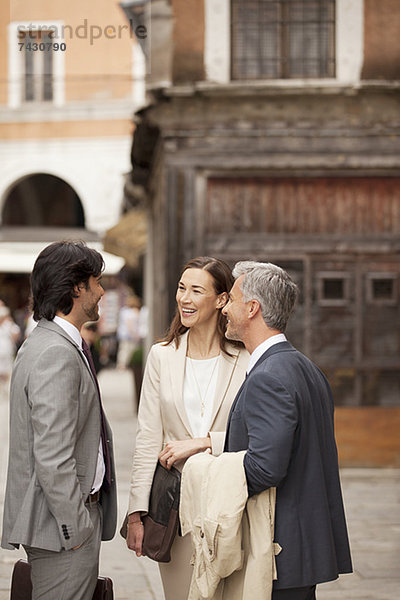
69, 574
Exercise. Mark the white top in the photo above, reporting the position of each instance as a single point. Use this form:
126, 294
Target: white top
199, 388
263, 347
74, 334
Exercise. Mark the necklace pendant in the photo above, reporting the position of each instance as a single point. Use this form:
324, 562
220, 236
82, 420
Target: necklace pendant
202, 399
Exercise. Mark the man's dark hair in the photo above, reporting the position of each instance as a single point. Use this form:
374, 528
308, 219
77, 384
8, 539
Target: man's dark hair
57, 270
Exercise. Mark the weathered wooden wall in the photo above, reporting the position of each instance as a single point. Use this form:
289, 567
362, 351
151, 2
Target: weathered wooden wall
341, 230
358, 205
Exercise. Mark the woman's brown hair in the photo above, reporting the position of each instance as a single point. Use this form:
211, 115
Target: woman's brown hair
223, 281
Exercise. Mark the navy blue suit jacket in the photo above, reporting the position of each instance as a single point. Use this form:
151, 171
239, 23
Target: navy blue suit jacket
283, 416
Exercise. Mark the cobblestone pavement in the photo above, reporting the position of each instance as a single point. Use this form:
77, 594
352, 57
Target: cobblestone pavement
372, 505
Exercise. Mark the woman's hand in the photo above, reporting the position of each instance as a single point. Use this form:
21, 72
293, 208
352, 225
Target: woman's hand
134, 538
77, 547
181, 449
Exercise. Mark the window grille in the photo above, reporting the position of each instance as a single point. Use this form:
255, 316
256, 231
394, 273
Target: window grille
382, 288
282, 39
333, 288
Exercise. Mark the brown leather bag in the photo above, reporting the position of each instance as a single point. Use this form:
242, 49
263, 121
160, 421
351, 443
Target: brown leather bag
21, 585
161, 522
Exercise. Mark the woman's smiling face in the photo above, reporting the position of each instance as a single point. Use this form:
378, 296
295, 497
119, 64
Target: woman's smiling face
196, 298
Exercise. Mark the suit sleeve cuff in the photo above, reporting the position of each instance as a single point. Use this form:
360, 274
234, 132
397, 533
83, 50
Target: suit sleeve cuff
217, 442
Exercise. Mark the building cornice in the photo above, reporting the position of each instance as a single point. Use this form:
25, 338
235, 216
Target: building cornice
73, 111
271, 88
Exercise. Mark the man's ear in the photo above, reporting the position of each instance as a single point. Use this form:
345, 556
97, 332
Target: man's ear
77, 290
254, 308
222, 300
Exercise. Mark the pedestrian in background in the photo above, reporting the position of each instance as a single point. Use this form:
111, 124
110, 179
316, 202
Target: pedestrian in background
128, 332
9, 335
190, 381
60, 498
283, 417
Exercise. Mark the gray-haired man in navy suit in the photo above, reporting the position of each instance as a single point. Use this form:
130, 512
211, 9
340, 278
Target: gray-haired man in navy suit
283, 417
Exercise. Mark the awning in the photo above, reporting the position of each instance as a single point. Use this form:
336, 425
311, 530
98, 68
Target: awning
19, 257
128, 238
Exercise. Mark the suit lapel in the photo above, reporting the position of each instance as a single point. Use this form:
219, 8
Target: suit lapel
234, 403
177, 359
280, 347
60, 331
227, 366
237, 398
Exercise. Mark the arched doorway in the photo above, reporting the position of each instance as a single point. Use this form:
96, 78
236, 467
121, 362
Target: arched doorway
42, 200
37, 207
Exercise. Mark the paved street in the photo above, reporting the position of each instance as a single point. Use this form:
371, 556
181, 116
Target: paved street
371, 497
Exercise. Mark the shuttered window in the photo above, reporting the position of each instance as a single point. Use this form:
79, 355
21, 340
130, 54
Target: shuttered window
282, 39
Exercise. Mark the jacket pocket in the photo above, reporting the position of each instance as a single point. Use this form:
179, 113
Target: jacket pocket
209, 535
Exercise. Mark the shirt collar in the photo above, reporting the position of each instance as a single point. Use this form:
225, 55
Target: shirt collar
70, 330
263, 347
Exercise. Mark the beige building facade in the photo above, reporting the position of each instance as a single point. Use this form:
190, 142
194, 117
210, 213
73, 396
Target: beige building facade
71, 74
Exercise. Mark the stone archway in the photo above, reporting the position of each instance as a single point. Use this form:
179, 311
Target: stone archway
42, 200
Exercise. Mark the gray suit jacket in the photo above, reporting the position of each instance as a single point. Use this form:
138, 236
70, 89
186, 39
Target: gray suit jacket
54, 443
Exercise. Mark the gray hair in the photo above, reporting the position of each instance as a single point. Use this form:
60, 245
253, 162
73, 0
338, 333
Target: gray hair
272, 287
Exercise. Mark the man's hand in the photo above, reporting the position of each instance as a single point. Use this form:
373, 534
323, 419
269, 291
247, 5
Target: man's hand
180, 449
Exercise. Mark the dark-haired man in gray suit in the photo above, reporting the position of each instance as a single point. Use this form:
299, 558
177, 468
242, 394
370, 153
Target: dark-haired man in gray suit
60, 498
283, 417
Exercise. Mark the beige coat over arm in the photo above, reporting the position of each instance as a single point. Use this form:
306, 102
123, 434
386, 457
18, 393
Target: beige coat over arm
162, 416
232, 535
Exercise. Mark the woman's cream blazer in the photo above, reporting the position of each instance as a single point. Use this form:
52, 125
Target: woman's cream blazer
162, 416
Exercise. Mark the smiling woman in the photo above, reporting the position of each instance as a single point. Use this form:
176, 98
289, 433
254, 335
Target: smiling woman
190, 382
204, 276
198, 302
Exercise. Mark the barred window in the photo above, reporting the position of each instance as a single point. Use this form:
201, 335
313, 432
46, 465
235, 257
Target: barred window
282, 39
382, 288
333, 288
